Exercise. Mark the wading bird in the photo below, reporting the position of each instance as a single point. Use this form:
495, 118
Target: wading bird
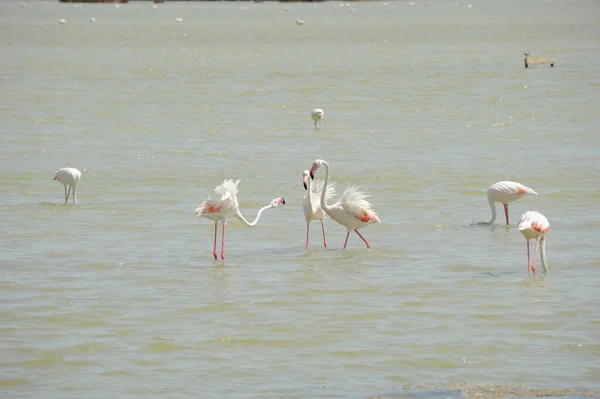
311, 204
505, 192
69, 177
223, 204
317, 115
352, 210
534, 225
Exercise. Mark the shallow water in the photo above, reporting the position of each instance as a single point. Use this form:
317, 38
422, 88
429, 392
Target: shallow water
425, 107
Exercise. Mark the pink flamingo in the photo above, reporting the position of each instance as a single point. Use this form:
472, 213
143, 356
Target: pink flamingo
534, 225
311, 206
224, 204
505, 192
352, 210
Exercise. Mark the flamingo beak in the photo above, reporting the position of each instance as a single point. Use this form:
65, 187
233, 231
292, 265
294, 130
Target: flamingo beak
313, 170
305, 182
282, 200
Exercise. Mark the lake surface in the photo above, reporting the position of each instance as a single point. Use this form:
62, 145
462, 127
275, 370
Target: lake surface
425, 107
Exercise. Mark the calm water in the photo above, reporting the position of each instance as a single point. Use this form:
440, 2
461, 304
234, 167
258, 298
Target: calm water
425, 107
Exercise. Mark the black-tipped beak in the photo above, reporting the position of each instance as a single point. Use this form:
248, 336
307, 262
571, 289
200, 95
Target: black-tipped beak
312, 176
283, 201
305, 186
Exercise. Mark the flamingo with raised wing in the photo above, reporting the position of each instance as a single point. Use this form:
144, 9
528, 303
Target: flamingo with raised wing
311, 203
69, 177
534, 226
352, 210
505, 192
223, 204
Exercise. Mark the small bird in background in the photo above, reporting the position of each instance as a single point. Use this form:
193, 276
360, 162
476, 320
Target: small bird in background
223, 204
311, 203
534, 226
69, 177
505, 192
317, 115
352, 210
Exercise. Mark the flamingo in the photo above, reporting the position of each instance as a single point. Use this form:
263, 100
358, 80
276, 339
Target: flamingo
505, 192
224, 204
352, 210
310, 205
534, 225
300, 22
317, 114
69, 177
62, 21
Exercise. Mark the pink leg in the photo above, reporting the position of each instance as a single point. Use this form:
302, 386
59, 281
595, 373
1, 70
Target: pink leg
506, 213
68, 193
215, 245
222, 242
363, 238
528, 264
346, 241
537, 244
307, 228
324, 239
65, 193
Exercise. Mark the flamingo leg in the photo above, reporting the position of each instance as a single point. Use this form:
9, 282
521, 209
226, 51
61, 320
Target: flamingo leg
223, 242
528, 264
346, 241
68, 193
506, 213
324, 239
307, 228
363, 238
215, 244
537, 244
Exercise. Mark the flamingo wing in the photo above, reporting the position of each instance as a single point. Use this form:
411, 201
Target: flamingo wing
223, 201
354, 203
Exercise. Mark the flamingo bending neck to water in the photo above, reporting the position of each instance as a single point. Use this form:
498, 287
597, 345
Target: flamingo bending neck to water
505, 192
534, 225
69, 177
352, 210
223, 204
311, 205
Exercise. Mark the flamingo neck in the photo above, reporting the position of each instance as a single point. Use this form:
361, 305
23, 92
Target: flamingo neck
493, 208
543, 253
255, 221
324, 205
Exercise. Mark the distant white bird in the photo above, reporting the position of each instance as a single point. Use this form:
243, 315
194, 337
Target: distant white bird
534, 225
92, 19
117, 6
69, 177
312, 205
154, 6
505, 192
178, 20
317, 115
62, 21
300, 22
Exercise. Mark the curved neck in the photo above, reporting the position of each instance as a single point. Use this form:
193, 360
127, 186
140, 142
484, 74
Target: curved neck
324, 205
493, 208
543, 253
253, 223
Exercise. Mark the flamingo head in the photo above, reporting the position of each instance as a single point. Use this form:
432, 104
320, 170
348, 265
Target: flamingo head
305, 175
316, 165
277, 201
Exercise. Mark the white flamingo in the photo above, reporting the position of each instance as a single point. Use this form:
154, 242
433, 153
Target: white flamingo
352, 210
505, 192
69, 177
317, 115
300, 22
223, 204
311, 204
534, 225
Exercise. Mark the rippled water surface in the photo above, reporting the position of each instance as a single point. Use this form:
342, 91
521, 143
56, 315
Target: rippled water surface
426, 105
